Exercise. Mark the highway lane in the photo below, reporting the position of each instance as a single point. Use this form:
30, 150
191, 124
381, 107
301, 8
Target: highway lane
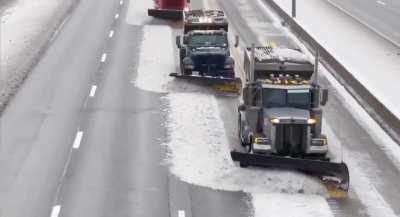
79, 139
357, 140
380, 15
38, 126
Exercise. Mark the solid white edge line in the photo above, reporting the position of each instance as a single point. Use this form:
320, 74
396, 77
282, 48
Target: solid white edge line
181, 213
78, 139
111, 34
55, 211
116, 16
103, 57
121, 2
93, 91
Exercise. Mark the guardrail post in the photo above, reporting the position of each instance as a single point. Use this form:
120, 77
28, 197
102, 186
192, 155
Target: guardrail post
293, 8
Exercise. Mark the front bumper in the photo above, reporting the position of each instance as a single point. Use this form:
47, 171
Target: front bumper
262, 148
317, 146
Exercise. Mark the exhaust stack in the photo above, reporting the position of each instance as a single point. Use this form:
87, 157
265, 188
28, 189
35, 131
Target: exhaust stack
252, 64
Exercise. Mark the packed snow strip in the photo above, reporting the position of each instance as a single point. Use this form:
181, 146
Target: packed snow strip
278, 205
156, 59
199, 152
137, 12
361, 179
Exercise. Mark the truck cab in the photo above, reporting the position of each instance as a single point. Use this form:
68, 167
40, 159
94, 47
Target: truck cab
281, 112
205, 48
206, 52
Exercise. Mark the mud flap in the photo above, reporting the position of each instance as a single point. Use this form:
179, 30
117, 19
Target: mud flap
166, 14
220, 84
335, 176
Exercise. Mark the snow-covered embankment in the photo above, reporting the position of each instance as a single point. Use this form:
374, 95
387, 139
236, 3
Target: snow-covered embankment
26, 29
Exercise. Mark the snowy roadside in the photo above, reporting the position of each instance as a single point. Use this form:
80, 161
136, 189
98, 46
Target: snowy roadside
360, 166
26, 30
371, 59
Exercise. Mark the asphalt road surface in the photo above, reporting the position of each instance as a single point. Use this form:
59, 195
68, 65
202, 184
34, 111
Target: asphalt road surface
80, 139
381, 15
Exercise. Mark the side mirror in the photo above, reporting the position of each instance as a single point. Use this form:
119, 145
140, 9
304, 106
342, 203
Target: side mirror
178, 42
242, 107
324, 98
236, 41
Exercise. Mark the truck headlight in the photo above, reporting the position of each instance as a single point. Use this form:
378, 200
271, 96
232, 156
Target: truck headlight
311, 121
229, 66
275, 121
319, 142
260, 140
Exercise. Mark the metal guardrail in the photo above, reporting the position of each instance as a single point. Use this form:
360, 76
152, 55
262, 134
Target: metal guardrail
382, 115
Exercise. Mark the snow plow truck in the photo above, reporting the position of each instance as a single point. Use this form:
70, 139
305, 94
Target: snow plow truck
204, 52
280, 120
169, 9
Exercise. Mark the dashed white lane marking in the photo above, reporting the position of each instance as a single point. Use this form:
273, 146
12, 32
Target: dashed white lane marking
381, 3
116, 16
93, 91
121, 2
103, 57
78, 139
111, 34
181, 213
55, 211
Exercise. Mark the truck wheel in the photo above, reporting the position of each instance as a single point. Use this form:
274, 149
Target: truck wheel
248, 148
188, 72
243, 165
240, 135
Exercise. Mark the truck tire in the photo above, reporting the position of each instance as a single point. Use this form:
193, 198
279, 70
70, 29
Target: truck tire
249, 148
243, 165
187, 72
240, 132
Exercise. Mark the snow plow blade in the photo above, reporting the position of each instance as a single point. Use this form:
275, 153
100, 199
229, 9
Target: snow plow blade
335, 176
220, 84
166, 14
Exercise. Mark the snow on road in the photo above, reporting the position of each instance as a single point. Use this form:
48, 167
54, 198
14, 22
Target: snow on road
198, 149
26, 28
362, 180
283, 205
199, 152
156, 59
138, 12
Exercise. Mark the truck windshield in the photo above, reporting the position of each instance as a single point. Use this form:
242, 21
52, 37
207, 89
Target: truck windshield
298, 98
208, 40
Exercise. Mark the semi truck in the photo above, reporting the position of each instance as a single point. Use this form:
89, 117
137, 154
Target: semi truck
204, 50
280, 119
